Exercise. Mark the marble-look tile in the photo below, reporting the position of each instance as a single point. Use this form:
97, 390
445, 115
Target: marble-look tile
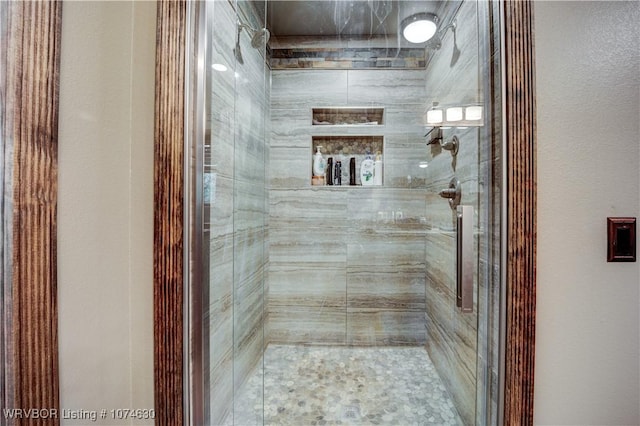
386, 290
384, 327
378, 87
221, 208
452, 79
308, 245
460, 377
305, 88
303, 207
250, 199
248, 254
307, 325
398, 211
302, 285
221, 128
220, 387
291, 128
382, 251
403, 159
290, 167
405, 120
223, 32
247, 354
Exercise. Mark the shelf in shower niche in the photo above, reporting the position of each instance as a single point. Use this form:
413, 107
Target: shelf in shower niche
347, 116
343, 148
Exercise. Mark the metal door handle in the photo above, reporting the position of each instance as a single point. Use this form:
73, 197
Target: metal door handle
464, 259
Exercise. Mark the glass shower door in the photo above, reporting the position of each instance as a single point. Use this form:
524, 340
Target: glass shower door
236, 101
343, 302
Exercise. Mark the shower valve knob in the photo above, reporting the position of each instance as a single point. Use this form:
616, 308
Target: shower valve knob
448, 193
453, 193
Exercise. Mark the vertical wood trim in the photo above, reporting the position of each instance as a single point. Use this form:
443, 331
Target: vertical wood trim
521, 212
32, 107
168, 213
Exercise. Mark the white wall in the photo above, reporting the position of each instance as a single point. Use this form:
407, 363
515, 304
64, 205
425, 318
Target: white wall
588, 94
105, 209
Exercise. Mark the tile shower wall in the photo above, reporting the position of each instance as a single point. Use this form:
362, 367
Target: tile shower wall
237, 210
452, 79
346, 264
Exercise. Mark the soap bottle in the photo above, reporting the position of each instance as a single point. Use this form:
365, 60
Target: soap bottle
377, 169
329, 179
366, 171
318, 163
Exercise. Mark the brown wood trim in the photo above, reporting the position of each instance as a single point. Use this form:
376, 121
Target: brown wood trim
32, 105
520, 122
168, 213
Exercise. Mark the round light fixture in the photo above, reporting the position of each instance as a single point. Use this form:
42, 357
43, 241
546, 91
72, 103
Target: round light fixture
420, 27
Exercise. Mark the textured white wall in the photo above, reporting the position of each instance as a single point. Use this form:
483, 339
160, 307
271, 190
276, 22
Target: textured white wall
588, 94
105, 216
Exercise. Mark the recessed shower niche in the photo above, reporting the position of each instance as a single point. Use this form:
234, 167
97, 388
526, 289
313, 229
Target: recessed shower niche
346, 151
349, 150
347, 116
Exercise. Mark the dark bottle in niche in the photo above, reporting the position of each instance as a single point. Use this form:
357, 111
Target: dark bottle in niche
352, 171
330, 171
337, 175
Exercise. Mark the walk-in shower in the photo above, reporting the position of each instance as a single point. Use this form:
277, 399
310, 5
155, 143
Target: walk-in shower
329, 297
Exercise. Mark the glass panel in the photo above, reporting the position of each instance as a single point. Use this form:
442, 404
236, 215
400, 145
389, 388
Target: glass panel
332, 293
235, 203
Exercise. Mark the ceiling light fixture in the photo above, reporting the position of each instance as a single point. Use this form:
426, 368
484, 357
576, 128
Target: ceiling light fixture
419, 27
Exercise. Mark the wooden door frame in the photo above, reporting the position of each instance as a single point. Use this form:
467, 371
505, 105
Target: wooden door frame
31, 56
519, 159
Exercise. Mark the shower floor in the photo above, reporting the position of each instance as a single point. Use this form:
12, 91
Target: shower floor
309, 385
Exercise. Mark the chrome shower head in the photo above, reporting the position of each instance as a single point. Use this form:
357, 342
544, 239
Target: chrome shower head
259, 38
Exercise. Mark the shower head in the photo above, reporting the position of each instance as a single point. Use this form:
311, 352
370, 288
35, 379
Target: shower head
259, 38
436, 41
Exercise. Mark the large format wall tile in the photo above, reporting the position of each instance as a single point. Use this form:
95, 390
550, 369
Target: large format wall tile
304, 89
290, 167
302, 207
310, 245
316, 325
381, 327
327, 243
386, 87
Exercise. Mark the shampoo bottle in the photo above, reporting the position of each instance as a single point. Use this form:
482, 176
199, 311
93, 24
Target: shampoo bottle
377, 169
318, 163
366, 171
317, 168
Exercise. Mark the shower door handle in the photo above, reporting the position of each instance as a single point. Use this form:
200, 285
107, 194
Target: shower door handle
464, 258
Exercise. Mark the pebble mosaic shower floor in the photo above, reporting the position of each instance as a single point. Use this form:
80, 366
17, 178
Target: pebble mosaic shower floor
308, 385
